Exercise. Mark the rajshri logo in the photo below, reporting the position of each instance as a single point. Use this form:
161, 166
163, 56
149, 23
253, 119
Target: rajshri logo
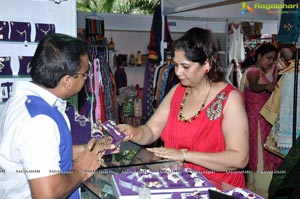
246, 8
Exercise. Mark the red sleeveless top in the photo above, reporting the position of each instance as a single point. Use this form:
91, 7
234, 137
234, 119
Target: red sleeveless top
204, 134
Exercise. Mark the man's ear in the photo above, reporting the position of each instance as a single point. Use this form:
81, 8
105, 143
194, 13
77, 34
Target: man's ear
66, 81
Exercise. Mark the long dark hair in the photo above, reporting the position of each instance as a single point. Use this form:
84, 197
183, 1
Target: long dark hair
261, 50
198, 45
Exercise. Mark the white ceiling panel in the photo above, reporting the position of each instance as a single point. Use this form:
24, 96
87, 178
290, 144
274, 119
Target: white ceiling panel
219, 9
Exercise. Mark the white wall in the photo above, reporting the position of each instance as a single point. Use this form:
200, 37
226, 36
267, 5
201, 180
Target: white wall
142, 23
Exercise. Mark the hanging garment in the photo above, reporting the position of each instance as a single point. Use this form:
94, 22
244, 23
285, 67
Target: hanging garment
108, 91
155, 36
274, 106
164, 79
115, 103
98, 92
159, 83
252, 30
271, 109
155, 58
172, 79
236, 48
120, 78
148, 91
285, 137
289, 23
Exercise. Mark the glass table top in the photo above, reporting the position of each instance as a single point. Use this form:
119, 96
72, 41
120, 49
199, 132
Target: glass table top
131, 156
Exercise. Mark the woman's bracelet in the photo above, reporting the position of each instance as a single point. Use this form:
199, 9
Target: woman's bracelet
184, 154
76, 168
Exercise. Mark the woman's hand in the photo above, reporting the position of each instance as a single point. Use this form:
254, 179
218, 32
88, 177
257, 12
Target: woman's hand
168, 153
270, 87
128, 130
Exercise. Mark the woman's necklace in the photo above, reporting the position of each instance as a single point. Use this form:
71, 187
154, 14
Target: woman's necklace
180, 116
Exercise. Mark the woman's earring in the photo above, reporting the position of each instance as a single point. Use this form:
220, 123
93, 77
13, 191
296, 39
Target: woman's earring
206, 70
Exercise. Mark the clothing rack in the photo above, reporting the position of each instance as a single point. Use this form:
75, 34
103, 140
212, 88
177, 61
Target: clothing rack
99, 50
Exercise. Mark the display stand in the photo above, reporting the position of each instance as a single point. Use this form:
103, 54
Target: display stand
16, 41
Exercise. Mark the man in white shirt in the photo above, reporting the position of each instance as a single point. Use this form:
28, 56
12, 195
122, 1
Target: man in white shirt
37, 159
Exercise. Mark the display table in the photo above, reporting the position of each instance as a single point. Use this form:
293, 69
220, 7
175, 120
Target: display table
131, 156
134, 159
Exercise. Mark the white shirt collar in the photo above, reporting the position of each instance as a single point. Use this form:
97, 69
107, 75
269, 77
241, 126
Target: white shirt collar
29, 88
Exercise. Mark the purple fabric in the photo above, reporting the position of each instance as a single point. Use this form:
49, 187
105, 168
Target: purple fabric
80, 129
148, 91
108, 91
42, 29
111, 128
85, 109
128, 183
20, 31
4, 29
5, 68
24, 62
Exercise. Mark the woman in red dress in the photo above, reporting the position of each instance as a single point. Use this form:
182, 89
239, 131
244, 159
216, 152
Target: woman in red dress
202, 120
